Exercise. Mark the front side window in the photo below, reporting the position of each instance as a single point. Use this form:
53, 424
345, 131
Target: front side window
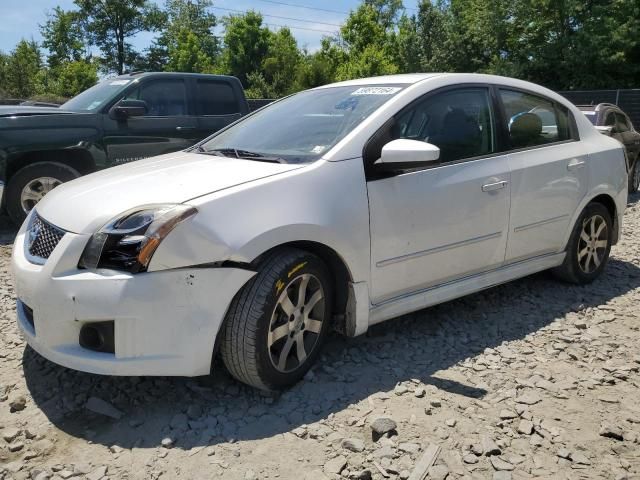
533, 120
164, 98
459, 123
215, 98
303, 127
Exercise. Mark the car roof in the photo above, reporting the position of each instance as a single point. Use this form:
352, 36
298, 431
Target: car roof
453, 78
401, 79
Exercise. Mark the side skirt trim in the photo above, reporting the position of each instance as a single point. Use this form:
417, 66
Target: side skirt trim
412, 302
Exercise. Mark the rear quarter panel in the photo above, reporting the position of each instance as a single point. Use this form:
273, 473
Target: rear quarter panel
607, 174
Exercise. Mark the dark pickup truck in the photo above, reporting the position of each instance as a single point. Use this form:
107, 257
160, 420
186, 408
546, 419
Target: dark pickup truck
119, 120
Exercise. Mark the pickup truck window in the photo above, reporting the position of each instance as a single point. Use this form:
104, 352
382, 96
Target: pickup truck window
215, 98
302, 127
97, 96
165, 98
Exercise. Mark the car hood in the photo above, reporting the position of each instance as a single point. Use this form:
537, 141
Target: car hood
19, 111
86, 204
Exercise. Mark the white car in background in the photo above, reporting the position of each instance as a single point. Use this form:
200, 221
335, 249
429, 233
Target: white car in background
335, 208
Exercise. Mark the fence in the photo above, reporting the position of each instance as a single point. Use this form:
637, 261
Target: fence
627, 100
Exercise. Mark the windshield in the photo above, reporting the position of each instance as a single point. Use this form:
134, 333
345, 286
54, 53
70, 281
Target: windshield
92, 99
301, 128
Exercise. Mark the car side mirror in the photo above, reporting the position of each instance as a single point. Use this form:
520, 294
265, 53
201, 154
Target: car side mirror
404, 154
128, 108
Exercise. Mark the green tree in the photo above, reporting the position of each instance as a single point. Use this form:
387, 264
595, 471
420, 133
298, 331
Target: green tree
320, 67
110, 23
282, 62
71, 78
63, 37
186, 54
368, 39
246, 43
4, 67
22, 70
174, 45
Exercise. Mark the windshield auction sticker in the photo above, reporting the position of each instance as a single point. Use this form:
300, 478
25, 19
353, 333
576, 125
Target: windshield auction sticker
376, 91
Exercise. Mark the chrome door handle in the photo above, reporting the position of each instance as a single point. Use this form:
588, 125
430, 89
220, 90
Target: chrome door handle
490, 187
184, 129
575, 164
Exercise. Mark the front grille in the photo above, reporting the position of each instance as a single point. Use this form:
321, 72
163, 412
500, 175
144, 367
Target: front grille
42, 237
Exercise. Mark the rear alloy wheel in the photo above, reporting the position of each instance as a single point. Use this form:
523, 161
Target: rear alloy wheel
589, 246
276, 324
30, 184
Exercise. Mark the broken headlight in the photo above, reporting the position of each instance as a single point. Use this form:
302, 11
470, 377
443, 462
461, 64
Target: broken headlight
129, 241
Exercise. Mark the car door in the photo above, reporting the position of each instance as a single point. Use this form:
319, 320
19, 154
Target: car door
217, 105
437, 224
166, 127
548, 173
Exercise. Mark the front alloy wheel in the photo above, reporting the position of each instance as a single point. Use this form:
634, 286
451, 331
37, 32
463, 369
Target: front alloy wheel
35, 190
276, 324
296, 323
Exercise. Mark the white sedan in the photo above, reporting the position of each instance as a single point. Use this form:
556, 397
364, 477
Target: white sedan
335, 208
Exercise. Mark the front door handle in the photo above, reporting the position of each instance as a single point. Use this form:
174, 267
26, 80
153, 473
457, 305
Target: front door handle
185, 129
490, 187
575, 164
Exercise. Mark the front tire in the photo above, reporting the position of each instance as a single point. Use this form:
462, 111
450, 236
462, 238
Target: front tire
277, 323
30, 184
589, 246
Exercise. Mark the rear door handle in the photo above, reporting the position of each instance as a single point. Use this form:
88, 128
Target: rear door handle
575, 164
490, 187
184, 129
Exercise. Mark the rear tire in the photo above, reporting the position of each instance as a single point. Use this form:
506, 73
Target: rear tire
269, 340
589, 246
634, 177
29, 184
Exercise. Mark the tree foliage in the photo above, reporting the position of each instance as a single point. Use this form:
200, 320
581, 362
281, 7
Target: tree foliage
111, 23
562, 44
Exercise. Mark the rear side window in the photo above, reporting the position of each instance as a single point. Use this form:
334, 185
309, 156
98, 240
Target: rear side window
533, 120
215, 98
164, 98
458, 122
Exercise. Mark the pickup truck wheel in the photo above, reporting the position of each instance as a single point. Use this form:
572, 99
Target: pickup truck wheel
277, 323
589, 246
29, 184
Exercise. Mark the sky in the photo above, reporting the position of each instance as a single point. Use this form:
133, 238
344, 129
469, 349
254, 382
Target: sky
20, 18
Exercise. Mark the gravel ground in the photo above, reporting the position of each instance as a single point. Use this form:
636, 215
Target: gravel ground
535, 379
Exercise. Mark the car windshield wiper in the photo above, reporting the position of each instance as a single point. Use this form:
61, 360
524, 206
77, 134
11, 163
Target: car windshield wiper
242, 154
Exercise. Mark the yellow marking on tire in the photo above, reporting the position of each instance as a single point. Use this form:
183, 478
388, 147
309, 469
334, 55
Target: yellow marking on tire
279, 286
295, 269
